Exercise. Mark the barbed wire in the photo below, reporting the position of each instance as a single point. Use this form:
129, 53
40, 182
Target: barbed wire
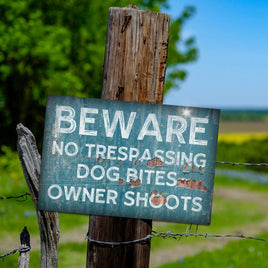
25, 196
124, 243
242, 164
21, 249
176, 236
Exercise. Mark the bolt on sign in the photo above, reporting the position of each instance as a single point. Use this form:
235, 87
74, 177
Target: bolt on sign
128, 159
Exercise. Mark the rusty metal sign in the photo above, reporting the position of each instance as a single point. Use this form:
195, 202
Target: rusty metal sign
128, 159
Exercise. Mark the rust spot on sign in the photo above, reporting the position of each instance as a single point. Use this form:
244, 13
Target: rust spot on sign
157, 199
135, 183
192, 184
155, 162
136, 162
121, 182
99, 160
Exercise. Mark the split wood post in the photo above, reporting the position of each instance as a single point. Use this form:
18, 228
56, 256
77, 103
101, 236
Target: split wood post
134, 70
48, 221
24, 259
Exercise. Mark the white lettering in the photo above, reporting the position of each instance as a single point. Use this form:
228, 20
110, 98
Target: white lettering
151, 118
49, 191
115, 176
195, 203
72, 192
82, 171
118, 116
177, 202
140, 198
129, 196
56, 149
71, 152
100, 173
131, 174
185, 198
88, 120
100, 194
177, 130
111, 196
61, 116
89, 196
194, 129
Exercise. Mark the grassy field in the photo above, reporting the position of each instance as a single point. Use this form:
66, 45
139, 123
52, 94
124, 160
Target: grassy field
240, 254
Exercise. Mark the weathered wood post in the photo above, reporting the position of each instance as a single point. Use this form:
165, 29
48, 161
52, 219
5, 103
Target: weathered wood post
24, 259
48, 221
134, 70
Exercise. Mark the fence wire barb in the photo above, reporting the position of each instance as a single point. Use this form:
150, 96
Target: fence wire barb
16, 197
22, 249
242, 164
176, 236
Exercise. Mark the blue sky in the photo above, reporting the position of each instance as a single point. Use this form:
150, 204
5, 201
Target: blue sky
232, 67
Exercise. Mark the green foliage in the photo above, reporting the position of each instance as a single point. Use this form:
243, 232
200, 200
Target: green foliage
57, 47
252, 151
10, 171
244, 115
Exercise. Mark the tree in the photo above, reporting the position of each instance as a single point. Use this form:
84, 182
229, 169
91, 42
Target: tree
57, 47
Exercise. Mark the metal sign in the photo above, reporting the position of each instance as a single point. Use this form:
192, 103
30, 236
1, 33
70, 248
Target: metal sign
128, 159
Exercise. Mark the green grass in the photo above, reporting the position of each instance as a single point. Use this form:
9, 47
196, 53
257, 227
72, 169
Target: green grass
72, 254
240, 184
225, 215
69, 255
236, 254
15, 215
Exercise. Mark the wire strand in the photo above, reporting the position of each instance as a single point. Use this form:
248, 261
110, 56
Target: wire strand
16, 197
242, 164
14, 251
176, 236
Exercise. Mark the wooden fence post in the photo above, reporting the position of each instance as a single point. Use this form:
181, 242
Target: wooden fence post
24, 259
48, 221
134, 70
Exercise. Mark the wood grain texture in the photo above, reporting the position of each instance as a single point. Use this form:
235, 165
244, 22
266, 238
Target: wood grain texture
134, 70
48, 221
135, 55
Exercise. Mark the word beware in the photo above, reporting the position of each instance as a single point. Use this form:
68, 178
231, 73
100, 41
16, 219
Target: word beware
176, 125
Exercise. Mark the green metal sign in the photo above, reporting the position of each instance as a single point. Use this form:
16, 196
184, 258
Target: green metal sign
128, 159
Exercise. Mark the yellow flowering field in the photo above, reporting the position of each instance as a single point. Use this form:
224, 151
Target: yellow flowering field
240, 138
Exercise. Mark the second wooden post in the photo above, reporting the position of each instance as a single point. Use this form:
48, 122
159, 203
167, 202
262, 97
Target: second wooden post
134, 70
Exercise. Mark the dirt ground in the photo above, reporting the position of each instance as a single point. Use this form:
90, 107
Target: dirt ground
243, 127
